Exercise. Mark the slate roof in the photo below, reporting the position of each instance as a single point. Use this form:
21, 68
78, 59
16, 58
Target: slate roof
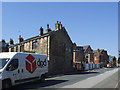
40, 36
85, 47
98, 53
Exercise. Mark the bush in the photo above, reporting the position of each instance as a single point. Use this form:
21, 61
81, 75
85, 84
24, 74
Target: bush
114, 63
103, 64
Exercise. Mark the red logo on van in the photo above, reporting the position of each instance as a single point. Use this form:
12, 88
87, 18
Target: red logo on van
30, 63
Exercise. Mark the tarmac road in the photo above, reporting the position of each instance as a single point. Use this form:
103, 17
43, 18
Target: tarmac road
69, 80
108, 79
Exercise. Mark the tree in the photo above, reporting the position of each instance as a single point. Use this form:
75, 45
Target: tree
114, 63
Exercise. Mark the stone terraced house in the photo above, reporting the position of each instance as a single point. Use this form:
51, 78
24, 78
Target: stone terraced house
56, 44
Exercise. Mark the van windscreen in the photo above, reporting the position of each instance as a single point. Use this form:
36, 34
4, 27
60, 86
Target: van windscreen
3, 62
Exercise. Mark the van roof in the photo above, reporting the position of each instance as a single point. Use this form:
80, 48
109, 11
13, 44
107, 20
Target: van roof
11, 54
7, 54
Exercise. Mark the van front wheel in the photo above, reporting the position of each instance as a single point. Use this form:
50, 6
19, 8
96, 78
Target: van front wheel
6, 84
42, 78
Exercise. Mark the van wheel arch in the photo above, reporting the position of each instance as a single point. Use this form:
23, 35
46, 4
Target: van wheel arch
6, 83
42, 78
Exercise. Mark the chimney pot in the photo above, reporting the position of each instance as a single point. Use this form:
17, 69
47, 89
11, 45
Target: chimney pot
47, 26
48, 29
19, 36
41, 28
98, 50
57, 22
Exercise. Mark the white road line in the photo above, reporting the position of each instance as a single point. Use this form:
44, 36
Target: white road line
117, 84
118, 81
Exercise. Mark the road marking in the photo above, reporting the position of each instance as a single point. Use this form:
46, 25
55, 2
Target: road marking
117, 84
118, 81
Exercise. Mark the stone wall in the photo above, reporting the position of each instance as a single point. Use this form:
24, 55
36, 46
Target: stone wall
61, 52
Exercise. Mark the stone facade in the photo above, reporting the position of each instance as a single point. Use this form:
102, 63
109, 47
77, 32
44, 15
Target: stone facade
56, 44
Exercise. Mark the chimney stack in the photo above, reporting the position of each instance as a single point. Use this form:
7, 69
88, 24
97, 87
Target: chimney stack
3, 41
98, 50
58, 26
11, 41
20, 39
48, 29
41, 31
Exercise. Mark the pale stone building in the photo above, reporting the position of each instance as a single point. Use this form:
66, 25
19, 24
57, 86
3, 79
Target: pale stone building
56, 44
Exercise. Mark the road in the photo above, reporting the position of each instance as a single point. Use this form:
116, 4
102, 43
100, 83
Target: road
99, 78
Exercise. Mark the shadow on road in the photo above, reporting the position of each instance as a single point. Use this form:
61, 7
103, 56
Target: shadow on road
37, 84
76, 73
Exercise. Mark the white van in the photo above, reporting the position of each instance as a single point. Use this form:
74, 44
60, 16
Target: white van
17, 68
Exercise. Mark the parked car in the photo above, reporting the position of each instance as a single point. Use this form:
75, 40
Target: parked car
109, 65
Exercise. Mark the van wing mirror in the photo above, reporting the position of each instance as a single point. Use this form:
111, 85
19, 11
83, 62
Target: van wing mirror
7, 69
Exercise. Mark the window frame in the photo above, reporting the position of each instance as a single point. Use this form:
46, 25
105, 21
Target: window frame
34, 44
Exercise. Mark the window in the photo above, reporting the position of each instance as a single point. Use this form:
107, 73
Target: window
34, 45
87, 55
27, 46
81, 57
16, 48
80, 49
66, 49
21, 48
13, 65
3, 62
69, 49
89, 49
12, 49
77, 55
95, 58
